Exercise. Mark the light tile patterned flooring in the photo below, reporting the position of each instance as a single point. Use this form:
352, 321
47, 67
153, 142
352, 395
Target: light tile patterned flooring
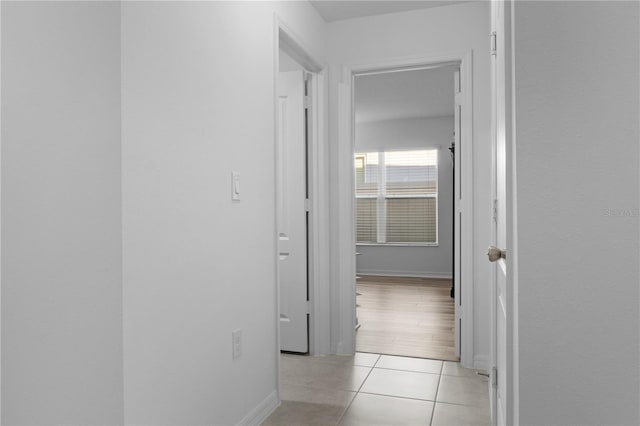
371, 389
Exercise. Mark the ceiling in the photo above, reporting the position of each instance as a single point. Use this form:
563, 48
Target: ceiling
404, 94
333, 10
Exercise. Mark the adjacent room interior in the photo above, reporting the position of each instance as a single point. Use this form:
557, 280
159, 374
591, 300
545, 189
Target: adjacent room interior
404, 185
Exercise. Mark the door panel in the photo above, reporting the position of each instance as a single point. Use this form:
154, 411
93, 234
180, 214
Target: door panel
292, 216
501, 315
501, 349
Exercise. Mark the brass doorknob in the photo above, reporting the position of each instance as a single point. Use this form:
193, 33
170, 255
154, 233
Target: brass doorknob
495, 253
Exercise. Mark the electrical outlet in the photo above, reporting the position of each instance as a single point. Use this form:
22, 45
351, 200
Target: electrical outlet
236, 343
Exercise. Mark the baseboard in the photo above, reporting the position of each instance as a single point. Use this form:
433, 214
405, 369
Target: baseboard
263, 410
481, 362
406, 274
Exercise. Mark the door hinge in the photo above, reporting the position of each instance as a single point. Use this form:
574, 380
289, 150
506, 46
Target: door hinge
309, 307
307, 102
307, 205
495, 210
494, 43
494, 376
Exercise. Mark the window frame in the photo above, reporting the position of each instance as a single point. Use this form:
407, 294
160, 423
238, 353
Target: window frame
381, 200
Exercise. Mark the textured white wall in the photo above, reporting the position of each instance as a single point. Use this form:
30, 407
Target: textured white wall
455, 28
576, 74
407, 134
196, 264
61, 233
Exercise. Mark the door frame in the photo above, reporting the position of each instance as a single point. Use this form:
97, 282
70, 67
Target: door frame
0, 213
318, 231
504, 30
343, 289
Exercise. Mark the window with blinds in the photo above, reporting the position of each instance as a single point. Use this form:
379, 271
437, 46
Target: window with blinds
397, 197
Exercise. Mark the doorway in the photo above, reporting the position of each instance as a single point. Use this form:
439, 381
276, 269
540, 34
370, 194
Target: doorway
301, 196
292, 189
463, 194
405, 128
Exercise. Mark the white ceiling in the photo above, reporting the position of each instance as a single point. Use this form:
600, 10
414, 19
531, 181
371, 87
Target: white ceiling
404, 94
334, 10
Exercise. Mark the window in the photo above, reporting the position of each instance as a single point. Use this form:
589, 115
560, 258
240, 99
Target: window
397, 197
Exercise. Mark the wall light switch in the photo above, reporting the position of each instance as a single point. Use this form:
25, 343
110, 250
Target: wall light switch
235, 186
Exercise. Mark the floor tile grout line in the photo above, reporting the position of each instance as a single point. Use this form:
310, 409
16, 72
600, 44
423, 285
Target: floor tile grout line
346, 408
377, 361
435, 398
408, 371
459, 404
364, 381
398, 397
358, 391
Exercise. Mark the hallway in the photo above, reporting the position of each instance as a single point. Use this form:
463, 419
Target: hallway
372, 389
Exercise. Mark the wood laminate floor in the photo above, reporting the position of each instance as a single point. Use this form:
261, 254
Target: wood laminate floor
406, 316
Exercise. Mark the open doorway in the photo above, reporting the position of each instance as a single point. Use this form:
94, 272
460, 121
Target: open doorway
292, 183
406, 211
301, 198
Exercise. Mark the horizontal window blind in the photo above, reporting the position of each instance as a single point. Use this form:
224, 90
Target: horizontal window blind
397, 197
366, 220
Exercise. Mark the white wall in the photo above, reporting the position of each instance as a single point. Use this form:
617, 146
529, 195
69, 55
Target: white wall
461, 27
287, 63
102, 96
197, 265
411, 133
61, 233
577, 94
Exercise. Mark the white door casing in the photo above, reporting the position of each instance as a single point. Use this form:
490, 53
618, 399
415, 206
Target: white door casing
343, 286
318, 236
457, 129
291, 212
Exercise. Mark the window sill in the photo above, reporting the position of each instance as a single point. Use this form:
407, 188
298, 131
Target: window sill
399, 244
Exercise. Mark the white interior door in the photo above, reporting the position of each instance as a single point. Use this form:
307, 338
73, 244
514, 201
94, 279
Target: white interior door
502, 292
501, 303
291, 212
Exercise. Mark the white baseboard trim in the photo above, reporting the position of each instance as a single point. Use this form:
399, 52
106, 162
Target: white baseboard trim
406, 274
481, 362
263, 410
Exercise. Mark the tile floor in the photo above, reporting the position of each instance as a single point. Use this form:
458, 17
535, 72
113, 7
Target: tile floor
370, 389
